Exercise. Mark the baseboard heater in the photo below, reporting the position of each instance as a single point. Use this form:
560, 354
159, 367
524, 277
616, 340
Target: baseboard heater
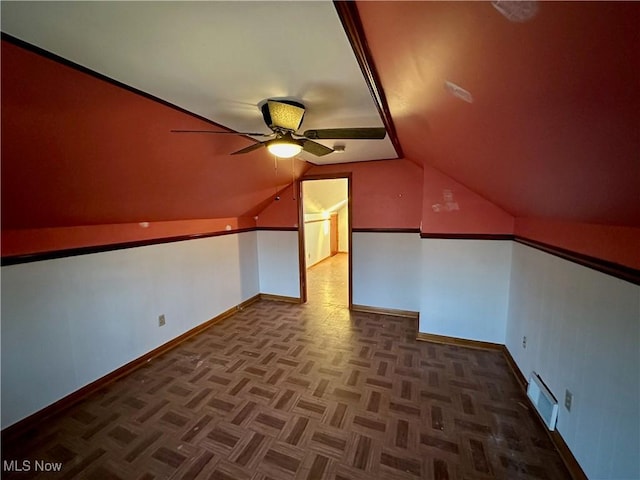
544, 401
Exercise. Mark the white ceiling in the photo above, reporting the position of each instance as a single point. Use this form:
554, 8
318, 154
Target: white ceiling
321, 196
217, 59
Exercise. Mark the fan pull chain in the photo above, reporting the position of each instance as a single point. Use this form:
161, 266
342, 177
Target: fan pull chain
293, 180
275, 167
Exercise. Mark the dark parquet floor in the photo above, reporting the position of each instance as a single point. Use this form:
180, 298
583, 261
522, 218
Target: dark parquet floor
284, 391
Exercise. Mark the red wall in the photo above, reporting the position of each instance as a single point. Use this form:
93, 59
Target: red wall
281, 213
385, 194
450, 207
28, 241
400, 194
82, 154
84, 161
82, 165
607, 242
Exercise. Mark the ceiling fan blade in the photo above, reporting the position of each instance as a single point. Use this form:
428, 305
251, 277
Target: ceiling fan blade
250, 148
224, 133
376, 133
315, 148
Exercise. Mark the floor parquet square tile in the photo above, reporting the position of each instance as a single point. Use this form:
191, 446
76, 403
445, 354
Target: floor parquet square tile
313, 391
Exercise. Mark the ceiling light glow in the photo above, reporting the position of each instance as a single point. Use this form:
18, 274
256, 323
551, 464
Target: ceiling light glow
284, 149
284, 146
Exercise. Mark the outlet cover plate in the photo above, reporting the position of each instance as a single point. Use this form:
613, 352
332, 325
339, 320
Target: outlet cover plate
568, 399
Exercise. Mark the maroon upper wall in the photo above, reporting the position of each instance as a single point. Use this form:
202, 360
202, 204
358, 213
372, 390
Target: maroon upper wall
385, 194
619, 245
451, 208
397, 194
85, 161
554, 127
77, 150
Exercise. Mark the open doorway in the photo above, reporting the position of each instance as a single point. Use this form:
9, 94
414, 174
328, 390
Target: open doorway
325, 240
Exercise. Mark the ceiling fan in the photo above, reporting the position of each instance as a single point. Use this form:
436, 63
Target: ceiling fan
284, 118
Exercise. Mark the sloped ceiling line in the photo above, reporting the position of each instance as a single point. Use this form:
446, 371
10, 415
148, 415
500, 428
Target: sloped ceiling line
68, 63
348, 13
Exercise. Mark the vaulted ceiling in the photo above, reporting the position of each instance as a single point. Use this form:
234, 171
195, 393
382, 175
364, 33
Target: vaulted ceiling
552, 129
324, 196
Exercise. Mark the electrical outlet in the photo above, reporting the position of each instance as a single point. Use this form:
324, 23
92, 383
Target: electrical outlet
568, 399
524, 342
161, 321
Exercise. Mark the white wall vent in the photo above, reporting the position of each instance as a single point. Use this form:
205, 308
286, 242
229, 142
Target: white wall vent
544, 401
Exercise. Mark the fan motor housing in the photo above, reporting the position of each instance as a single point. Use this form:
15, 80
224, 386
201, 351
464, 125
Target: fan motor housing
285, 114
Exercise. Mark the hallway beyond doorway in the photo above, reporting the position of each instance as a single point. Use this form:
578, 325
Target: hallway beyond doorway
328, 281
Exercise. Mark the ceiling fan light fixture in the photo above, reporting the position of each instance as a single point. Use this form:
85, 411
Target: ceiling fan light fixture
287, 114
284, 148
284, 117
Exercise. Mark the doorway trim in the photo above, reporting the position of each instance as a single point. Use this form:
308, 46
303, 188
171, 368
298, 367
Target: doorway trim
302, 261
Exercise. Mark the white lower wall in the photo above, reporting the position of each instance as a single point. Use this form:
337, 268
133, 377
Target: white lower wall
343, 229
465, 288
317, 243
583, 334
70, 321
386, 270
279, 270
